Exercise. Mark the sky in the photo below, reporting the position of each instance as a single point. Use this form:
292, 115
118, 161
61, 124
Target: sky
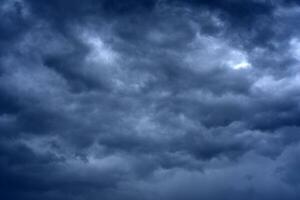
149, 100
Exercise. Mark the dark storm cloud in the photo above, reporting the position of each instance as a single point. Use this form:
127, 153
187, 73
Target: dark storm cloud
149, 99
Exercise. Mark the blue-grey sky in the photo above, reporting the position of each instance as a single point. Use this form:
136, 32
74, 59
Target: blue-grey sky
149, 100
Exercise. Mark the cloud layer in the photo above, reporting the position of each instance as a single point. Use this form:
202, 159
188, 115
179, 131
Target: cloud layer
149, 99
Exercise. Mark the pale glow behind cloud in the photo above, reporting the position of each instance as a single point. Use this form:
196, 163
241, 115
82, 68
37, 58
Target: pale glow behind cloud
295, 48
237, 60
100, 52
212, 52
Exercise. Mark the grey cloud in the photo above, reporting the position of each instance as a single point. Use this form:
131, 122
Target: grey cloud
149, 100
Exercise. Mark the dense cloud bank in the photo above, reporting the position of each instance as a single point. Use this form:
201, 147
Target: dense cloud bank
149, 99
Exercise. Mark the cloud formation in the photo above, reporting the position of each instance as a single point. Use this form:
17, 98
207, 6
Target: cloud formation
149, 99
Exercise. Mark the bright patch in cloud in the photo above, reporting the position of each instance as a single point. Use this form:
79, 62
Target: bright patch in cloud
242, 65
236, 59
213, 52
295, 48
100, 51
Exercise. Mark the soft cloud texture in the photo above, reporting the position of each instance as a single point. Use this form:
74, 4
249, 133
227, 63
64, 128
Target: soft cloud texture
149, 99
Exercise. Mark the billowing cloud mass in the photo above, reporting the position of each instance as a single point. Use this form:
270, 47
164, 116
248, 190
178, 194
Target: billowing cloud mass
149, 99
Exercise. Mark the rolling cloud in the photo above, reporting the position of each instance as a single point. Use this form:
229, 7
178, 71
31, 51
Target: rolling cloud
149, 99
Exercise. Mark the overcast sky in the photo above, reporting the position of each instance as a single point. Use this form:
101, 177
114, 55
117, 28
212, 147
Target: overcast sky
149, 99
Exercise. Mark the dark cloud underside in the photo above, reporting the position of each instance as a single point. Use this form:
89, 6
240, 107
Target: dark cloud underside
149, 99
